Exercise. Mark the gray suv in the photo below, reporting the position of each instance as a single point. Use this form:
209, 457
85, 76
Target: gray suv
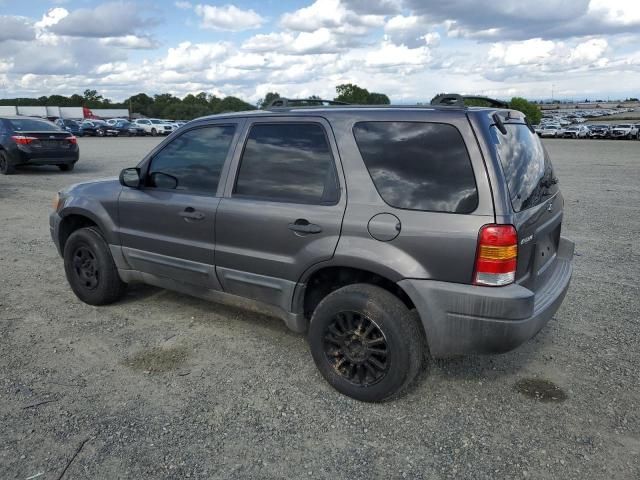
383, 233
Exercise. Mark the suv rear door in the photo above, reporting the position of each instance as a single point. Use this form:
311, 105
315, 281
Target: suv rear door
530, 198
282, 209
167, 227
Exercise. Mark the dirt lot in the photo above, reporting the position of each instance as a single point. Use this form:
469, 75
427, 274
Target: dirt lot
166, 386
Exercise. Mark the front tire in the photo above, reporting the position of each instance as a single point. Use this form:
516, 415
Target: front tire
6, 168
67, 167
366, 343
154, 132
90, 269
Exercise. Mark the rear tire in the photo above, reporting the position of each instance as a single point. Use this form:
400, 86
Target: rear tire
67, 167
90, 269
6, 168
366, 343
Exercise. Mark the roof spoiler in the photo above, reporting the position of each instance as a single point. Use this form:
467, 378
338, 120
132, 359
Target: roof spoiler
302, 102
457, 100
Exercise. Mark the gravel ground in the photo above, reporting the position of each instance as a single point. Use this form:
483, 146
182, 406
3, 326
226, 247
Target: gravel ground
161, 385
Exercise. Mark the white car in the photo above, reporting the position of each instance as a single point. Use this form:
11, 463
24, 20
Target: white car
624, 130
550, 131
576, 131
154, 126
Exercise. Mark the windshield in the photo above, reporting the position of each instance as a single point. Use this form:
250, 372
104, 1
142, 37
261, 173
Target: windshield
156, 121
526, 165
32, 125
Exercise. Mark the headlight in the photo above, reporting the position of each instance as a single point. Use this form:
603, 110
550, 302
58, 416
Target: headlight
56, 202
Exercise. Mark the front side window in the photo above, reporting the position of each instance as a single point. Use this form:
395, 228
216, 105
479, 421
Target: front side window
418, 165
288, 162
193, 161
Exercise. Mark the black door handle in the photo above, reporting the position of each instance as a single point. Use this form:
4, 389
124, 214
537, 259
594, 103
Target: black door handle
303, 226
190, 213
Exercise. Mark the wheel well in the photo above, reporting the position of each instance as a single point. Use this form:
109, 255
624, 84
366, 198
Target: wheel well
329, 279
70, 224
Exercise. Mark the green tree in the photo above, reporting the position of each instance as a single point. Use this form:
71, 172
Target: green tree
532, 112
378, 99
268, 98
350, 93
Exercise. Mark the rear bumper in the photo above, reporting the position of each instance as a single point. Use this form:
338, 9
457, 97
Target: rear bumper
462, 319
19, 156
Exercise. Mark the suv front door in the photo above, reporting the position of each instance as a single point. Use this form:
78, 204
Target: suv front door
167, 227
282, 209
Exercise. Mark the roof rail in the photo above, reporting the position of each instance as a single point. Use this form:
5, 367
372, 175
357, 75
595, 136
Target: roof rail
457, 100
302, 102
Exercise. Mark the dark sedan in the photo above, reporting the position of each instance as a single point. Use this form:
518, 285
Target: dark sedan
126, 128
98, 128
30, 141
70, 126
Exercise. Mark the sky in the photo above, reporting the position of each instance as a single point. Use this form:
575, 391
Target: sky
408, 49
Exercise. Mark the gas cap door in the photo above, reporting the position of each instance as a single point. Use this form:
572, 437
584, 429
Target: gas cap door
384, 227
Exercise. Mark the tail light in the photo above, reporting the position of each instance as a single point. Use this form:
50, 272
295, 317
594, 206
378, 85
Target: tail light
72, 139
496, 256
22, 139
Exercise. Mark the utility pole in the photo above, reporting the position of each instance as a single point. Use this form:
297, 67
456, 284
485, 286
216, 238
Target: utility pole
552, 93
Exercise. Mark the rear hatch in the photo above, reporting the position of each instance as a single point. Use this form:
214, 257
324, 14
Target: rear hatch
535, 202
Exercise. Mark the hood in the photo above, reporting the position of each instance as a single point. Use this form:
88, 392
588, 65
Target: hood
98, 186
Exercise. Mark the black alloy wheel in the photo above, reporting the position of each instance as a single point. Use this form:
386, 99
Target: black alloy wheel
86, 267
356, 348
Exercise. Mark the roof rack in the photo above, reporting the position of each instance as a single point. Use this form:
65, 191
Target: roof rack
457, 100
302, 102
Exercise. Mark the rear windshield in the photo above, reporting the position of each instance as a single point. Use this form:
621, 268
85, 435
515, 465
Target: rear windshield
526, 166
32, 125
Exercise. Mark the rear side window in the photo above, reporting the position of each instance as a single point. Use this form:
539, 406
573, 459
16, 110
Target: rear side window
418, 166
193, 161
32, 125
287, 162
526, 166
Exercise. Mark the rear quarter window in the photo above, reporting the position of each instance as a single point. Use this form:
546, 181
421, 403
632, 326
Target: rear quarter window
418, 165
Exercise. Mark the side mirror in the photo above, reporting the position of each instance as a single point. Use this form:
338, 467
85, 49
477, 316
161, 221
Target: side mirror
130, 177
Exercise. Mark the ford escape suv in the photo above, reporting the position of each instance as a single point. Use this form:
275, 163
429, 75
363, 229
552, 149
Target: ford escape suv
381, 232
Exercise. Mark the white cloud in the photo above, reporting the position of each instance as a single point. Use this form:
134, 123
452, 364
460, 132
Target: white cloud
194, 56
106, 20
133, 42
15, 28
391, 55
329, 14
228, 17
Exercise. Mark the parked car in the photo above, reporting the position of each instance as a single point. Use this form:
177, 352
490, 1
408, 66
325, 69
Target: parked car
576, 131
70, 126
31, 141
154, 126
458, 254
127, 129
550, 131
599, 131
98, 128
624, 130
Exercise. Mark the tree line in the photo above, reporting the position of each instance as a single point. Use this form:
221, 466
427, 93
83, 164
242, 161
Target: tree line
191, 106
166, 105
